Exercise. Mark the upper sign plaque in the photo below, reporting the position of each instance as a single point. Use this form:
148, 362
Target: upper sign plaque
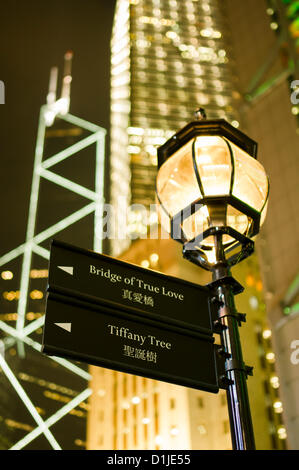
123, 286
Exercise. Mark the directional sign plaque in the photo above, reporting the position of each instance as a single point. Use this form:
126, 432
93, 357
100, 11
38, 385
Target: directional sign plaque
101, 279
98, 334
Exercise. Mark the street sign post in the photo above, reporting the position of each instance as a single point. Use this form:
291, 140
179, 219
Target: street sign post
98, 335
117, 315
100, 278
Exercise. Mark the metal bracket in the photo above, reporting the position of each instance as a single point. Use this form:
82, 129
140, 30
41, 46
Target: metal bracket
228, 280
234, 364
224, 353
225, 382
240, 317
218, 326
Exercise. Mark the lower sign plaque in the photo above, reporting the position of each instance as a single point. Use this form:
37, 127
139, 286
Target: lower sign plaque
99, 335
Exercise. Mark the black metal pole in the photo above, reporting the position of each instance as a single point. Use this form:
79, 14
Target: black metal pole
237, 394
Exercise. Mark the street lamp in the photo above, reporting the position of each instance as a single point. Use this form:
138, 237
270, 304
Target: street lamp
212, 197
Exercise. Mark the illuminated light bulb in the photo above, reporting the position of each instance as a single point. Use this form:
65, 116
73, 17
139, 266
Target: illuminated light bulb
145, 263
101, 392
135, 130
154, 258
253, 302
282, 433
278, 407
267, 334
211, 256
249, 280
125, 405
133, 149
171, 35
145, 420
259, 286
174, 431
270, 356
159, 440
274, 381
135, 400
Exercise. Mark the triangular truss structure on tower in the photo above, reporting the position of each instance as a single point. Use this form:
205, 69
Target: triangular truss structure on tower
44, 169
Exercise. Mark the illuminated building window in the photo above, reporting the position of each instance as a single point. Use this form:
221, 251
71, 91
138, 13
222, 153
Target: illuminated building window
12, 295
8, 316
80, 443
36, 294
135, 400
7, 275
39, 273
10, 423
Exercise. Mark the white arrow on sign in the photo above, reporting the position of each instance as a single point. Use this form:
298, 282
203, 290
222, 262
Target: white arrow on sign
65, 326
67, 269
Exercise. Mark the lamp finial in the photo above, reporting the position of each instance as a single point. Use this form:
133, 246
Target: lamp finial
200, 114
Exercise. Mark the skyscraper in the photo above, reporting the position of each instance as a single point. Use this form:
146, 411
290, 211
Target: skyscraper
168, 58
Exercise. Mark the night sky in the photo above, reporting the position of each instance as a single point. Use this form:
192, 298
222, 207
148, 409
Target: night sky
34, 37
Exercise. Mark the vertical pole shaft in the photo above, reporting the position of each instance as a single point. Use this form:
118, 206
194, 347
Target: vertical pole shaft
237, 393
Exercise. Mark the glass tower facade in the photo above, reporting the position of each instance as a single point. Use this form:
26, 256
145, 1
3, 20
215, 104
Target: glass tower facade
168, 58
